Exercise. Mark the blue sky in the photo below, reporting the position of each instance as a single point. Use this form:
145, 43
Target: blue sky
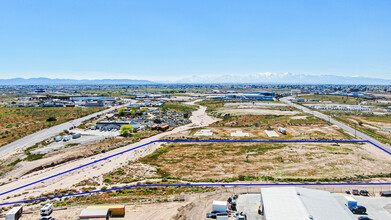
168, 40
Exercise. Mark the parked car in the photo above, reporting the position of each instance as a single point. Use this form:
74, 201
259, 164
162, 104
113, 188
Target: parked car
211, 215
47, 218
347, 191
364, 192
355, 192
385, 193
364, 218
358, 209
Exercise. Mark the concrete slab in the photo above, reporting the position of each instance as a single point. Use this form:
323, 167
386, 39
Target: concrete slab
271, 133
204, 132
239, 133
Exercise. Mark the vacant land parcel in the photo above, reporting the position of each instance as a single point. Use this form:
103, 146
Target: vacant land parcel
268, 161
255, 117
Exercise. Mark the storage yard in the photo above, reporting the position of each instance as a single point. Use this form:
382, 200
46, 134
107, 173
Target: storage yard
196, 206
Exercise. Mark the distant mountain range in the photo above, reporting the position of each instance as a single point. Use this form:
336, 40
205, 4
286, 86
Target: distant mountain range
47, 81
284, 78
258, 78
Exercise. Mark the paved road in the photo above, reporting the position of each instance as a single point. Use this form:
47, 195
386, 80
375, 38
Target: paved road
49, 132
339, 124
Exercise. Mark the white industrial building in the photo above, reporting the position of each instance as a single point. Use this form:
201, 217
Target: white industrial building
294, 203
339, 107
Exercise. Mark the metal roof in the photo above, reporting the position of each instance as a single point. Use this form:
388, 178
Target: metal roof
94, 213
294, 203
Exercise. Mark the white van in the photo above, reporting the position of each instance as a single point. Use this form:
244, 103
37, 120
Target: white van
47, 209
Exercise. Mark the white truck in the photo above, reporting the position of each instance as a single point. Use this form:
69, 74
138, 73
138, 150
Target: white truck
281, 130
47, 209
15, 213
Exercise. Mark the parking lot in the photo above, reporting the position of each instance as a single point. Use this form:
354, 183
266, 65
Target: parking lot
249, 204
376, 206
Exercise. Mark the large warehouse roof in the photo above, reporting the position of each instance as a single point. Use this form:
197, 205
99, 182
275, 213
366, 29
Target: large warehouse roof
293, 203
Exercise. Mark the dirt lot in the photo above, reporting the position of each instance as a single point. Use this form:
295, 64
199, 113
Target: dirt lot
375, 123
305, 132
255, 110
194, 207
221, 161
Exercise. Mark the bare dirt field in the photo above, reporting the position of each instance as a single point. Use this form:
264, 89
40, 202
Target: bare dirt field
294, 132
220, 161
250, 110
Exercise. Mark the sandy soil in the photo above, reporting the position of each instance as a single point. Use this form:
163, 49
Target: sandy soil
258, 133
297, 160
255, 111
199, 119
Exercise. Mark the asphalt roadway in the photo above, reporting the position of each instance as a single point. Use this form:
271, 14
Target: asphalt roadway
339, 124
50, 132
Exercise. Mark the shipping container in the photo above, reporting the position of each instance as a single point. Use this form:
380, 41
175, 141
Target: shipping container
165, 127
102, 213
114, 210
219, 206
15, 213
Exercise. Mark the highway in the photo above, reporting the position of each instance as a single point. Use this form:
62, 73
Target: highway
339, 124
49, 132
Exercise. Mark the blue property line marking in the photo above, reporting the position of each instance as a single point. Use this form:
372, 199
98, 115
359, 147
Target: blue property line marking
207, 141
184, 185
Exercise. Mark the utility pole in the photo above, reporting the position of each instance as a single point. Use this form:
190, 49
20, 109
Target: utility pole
355, 130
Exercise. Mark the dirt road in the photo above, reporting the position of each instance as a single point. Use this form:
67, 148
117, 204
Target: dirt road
199, 118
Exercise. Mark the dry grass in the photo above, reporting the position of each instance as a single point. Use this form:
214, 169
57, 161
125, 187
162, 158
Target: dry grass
218, 161
18, 122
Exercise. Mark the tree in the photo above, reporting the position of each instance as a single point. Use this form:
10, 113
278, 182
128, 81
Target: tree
121, 112
126, 130
144, 110
134, 108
